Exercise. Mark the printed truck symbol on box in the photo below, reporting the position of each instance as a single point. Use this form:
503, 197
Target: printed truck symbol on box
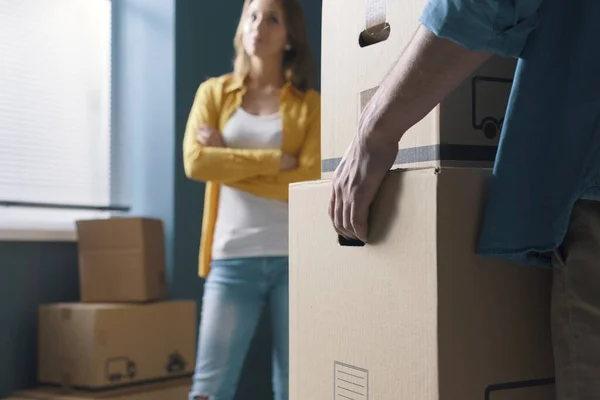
488, 114
175, 364
120, 368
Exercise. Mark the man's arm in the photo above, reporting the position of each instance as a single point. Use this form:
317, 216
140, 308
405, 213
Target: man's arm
456, 37
429, 69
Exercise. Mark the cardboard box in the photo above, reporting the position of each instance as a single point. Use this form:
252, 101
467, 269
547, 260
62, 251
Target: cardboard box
92, 346
461, 131
121, 260
170, 390
415, 314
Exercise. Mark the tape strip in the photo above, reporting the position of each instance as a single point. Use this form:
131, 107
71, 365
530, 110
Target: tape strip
375, 12
438, 152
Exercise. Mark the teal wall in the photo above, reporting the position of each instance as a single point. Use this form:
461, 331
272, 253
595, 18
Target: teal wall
165, 48
30, 274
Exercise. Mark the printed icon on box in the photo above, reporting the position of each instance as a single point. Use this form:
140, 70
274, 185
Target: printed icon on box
350, 382
488, 115
120, 368
175, 364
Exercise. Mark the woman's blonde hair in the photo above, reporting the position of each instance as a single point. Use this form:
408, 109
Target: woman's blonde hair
297, 61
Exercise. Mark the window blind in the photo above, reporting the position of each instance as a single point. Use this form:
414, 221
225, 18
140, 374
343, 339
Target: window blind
55, 90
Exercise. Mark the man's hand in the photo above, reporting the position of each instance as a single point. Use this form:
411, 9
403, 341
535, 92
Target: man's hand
288, 162
210, 137
429, 69
358, 177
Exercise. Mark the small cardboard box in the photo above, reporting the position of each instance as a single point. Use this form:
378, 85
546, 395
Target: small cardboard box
177, 389
92, 346
414, 314
121, 260
462, 131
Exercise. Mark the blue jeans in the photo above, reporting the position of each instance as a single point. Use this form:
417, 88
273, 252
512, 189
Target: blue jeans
234, 296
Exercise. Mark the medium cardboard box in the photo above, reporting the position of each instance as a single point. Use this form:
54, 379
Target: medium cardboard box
91, 346
170, 390
121, 260
461, 131
415, 314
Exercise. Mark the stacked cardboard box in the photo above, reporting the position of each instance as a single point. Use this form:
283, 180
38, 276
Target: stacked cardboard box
415, 313
124, 333
121, 260
462, 131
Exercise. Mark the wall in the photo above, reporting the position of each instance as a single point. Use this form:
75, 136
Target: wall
143, 109
30, 274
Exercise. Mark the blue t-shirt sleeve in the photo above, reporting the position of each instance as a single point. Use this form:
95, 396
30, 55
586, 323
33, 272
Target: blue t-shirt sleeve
498, 26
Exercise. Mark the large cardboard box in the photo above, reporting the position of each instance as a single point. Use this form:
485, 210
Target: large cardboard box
170, 390
415, 314
91, 346
461, 131
121, 260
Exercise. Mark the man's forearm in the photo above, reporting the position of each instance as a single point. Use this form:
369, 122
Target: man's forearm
429, 69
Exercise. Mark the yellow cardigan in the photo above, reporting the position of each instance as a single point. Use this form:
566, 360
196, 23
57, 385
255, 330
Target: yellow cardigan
254, 171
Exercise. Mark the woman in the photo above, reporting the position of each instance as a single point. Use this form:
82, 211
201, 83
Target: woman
249, 135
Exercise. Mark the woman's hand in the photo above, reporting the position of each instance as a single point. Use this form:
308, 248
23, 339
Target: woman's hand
288, 162
210, 137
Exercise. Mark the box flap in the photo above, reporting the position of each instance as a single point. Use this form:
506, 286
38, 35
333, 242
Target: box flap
113, 233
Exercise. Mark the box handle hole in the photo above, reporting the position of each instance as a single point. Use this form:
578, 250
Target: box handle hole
350, 242
375, 34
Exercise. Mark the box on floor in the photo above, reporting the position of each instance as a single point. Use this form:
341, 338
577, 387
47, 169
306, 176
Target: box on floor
462, 131
121, 260
170, 390
415, 313
91, 346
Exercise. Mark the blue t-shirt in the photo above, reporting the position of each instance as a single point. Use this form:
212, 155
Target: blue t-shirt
549, 152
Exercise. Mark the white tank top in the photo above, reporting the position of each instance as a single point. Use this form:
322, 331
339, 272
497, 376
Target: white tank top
248, 225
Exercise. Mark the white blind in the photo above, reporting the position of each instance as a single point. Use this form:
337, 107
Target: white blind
55, 78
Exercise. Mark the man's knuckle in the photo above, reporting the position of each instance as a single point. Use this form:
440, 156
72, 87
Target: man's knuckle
357, 223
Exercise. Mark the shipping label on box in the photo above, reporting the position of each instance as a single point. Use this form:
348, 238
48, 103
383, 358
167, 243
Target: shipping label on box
415, 313
350, 382
362, 40
93, 346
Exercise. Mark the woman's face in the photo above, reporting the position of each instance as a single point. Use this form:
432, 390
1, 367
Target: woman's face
265, 34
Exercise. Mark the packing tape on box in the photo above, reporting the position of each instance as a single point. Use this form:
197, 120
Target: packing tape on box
375, 12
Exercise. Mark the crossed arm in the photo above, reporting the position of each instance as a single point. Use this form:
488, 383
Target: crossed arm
206, 159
